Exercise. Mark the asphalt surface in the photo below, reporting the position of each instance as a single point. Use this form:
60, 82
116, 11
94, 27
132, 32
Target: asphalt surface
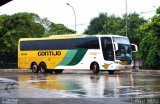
79, 87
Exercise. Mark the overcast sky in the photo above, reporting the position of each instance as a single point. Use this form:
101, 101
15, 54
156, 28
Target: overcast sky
58, 12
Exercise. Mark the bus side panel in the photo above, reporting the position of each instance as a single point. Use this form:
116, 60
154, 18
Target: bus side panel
80, 60
49, 57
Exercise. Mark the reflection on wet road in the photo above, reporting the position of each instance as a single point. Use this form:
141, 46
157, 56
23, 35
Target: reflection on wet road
80, 85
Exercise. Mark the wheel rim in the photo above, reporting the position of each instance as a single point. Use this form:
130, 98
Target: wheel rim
34, 68
42, 68
95, 68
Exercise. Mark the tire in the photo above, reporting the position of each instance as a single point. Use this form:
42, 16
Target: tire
111, 71
59, 71
42, 68
95, 68
34, 68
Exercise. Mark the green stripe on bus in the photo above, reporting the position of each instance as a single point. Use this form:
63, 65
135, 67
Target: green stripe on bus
78, 56
68, 57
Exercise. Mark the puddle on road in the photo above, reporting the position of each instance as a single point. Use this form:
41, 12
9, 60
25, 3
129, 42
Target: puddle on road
84, 85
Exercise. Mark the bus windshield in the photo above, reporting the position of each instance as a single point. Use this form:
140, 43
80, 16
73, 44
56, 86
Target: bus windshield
124, 51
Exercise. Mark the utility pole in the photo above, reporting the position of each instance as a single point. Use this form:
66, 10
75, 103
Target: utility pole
126, 18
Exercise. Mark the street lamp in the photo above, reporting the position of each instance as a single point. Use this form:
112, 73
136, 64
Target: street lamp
74, 14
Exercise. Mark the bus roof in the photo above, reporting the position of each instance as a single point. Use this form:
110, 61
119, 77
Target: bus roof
109, 35
66, 36
57, 37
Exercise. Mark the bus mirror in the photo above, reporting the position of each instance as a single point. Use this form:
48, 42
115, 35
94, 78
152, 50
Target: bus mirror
115, 46
134, 48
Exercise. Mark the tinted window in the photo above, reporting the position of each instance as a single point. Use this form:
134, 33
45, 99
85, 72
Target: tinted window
107, 48
76, 43
124, 52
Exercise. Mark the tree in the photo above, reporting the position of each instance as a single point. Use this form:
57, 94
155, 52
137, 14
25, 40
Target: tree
58, 29
24, 25
113, 25
150, 47
19, 25
52, 28
104, 24
134, 23
96, 24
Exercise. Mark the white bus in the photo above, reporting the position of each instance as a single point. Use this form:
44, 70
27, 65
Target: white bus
80, 51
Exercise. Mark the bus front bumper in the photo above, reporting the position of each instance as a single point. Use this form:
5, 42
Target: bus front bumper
116, 66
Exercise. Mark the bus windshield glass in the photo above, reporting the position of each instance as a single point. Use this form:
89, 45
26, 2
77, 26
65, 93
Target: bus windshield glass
124, 51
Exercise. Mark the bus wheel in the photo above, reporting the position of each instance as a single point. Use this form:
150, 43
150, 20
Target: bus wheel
34, 68
111, 71
42, 68
95, 68
59, 71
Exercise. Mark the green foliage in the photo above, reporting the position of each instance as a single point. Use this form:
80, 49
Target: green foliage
134, 23
104, 24
58, 29
52, 28
17, 26
150, 47
96, 24
113, 25
24, 25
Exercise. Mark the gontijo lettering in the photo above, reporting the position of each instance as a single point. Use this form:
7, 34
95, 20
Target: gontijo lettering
49, 53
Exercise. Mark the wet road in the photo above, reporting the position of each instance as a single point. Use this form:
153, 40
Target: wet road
127, 85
